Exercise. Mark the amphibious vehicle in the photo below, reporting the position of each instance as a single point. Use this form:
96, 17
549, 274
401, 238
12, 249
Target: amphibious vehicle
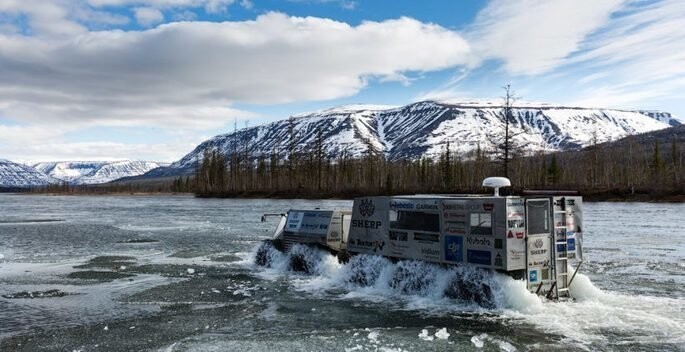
536, 236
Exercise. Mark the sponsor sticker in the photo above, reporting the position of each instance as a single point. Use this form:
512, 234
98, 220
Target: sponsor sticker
427, 206
374, 245
455, 230
454, 248
461, 224
516, 255
366, 224
515, 201
561, 248
453, 206
498, 260
533, 275
543, 263
430, 253
397, 205
479, 257
479, 241
520, 235
537, 247
426, 237
366, 207
398, 236
510, 234
571, 244
515, 224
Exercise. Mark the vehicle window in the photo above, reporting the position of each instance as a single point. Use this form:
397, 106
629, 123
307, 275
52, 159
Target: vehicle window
481, 224
538, 216
414, 220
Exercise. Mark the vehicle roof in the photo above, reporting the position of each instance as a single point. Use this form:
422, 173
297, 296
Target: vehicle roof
448, 196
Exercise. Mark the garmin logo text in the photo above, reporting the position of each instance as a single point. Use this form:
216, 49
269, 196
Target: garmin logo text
427, 206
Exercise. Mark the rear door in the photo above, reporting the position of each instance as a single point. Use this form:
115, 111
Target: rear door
539, 254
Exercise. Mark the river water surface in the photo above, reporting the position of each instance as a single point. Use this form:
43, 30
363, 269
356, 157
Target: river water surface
175, 273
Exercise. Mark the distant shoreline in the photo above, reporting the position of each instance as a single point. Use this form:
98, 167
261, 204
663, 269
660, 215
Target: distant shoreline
599, 196
33, 193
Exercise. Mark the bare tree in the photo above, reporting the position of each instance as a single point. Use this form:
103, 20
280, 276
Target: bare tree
505, 147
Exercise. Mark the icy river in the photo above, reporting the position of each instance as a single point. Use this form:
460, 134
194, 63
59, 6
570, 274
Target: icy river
175, 273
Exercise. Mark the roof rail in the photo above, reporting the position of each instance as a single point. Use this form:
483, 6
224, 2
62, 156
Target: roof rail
550, 192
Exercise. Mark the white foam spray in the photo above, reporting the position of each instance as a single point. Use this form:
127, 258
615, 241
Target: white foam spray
436, 289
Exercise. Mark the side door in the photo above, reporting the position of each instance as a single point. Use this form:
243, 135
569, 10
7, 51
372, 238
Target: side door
539, 256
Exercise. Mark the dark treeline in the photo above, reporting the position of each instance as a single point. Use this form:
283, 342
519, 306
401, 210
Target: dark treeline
640, 167
120, 187
633, 166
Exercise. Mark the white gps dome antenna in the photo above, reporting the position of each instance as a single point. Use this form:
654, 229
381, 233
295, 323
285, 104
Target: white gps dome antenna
496, 183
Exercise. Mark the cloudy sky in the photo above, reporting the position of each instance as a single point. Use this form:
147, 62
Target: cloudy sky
150, 79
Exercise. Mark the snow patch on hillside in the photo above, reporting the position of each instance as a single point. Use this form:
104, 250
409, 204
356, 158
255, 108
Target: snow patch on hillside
94, 172
18, 175
424, 129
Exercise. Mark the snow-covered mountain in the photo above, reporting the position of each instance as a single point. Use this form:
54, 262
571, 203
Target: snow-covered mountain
424, 128
20, 176
92, 172
662, 116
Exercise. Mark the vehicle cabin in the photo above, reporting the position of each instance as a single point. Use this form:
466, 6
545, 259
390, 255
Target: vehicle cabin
532, 237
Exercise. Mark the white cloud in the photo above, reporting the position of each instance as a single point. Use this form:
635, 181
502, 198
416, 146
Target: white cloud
637, 58
45, 17
19, 134
212, 6
189, 74
147, 16
448, 90
8, 28
162, 152
247, 4
648, 43
345, 4
535, 36
175, 68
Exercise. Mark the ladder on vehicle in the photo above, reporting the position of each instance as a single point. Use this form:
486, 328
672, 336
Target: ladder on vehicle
560, 287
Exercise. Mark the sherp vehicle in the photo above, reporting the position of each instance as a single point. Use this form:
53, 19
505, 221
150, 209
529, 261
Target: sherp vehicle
534, 237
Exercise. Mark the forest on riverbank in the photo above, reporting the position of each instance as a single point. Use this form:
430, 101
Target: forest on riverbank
640, 167
647, 167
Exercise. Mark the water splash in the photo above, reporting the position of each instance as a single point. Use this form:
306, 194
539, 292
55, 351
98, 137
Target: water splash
466, 284
453, 289
300, 258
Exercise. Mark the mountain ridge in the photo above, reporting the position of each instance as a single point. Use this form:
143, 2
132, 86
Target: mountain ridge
423, 128
94, 172
15, 175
